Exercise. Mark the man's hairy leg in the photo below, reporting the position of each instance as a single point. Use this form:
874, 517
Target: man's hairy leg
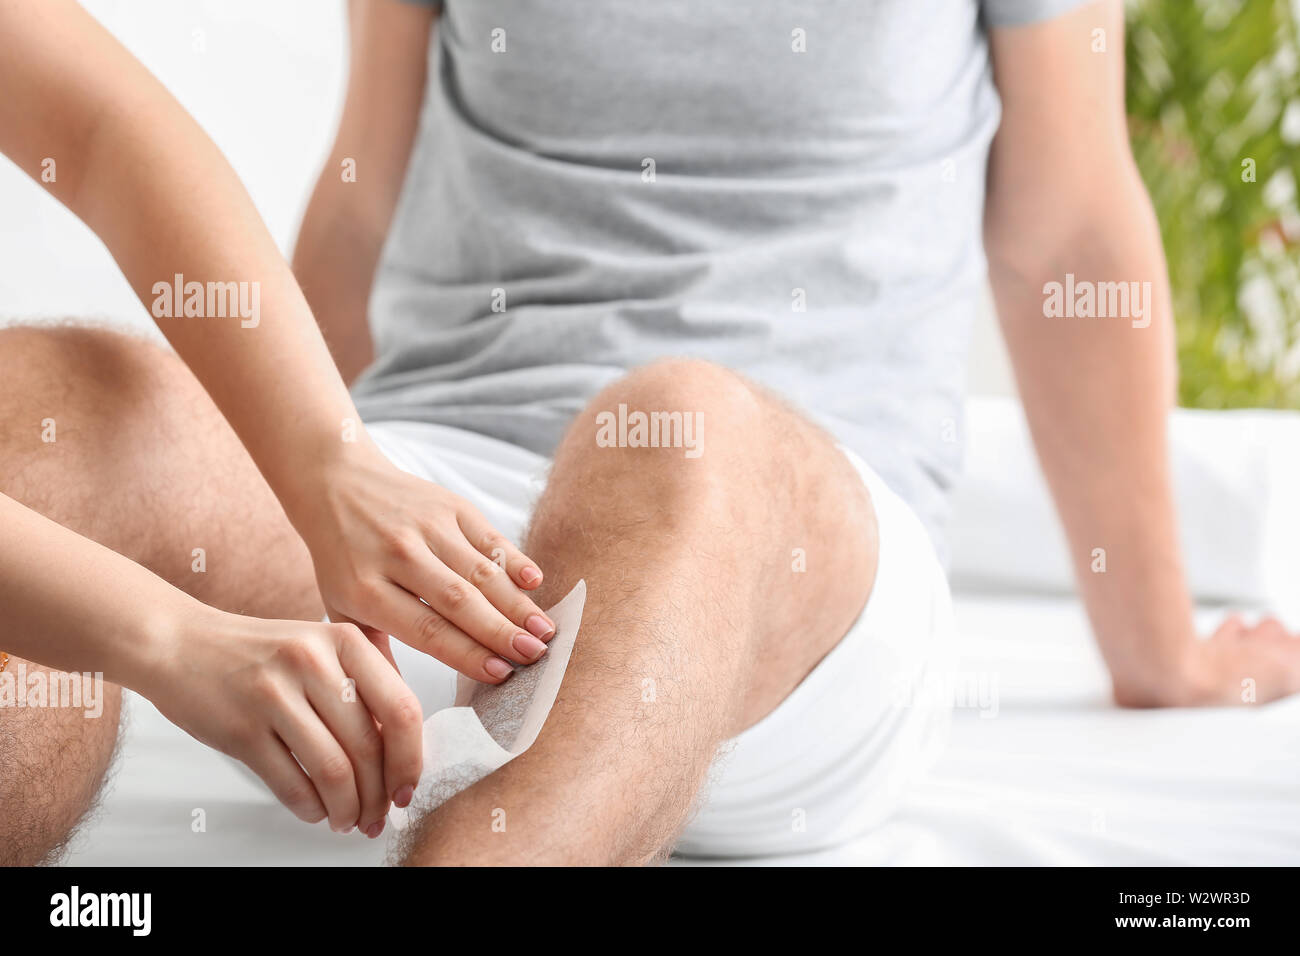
141, 461
695, 626
53, 761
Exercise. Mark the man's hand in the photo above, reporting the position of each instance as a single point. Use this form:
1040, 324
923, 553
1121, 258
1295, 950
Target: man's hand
397, 555
313, 709
1239, 664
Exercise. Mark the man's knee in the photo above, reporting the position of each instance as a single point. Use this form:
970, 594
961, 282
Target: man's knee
53, 761
685, 381
684, 420
95, 354
660, 450
690, 398
84, 403
78, 379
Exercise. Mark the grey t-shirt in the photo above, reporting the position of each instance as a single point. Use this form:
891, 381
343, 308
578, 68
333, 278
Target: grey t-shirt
790, 188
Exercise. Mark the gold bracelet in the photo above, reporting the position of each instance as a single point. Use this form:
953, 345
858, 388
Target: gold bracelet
4, 661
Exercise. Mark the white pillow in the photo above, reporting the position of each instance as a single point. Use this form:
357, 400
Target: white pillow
1237, 484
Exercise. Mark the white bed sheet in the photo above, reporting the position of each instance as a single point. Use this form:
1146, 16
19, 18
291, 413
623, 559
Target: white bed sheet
1057, 776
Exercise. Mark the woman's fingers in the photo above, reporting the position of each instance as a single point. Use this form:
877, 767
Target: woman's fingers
323, 758
496, 585
354, 727
374, 635
494, 546
413, 622
463, 605
387, 698
338, 702
271, 760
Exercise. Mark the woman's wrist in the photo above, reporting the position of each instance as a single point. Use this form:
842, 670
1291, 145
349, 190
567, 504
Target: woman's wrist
303, 488
147, 661
315, 495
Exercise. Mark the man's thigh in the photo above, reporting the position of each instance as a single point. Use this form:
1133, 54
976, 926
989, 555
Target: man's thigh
113, 437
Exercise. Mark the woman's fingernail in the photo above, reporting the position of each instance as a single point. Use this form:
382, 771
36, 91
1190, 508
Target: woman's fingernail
404, 795
540, 626
529, 647
498, 668
375, 829
530, 575
347, 829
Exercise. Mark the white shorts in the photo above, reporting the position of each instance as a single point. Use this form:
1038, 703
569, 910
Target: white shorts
830, 762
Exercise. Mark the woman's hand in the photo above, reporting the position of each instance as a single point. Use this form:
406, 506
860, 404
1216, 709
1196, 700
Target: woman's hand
397, 555
313, 709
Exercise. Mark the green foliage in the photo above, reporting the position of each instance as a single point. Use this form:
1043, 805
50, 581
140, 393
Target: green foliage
1213, 91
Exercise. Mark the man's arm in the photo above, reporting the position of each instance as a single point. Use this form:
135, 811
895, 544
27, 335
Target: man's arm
1065, 197
347, 220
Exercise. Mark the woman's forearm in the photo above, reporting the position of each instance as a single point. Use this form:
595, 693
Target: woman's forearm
138, 170
141, 173
242, 685
74, 605
266, 367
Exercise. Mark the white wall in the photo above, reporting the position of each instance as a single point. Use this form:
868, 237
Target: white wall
265, 79
988, 366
